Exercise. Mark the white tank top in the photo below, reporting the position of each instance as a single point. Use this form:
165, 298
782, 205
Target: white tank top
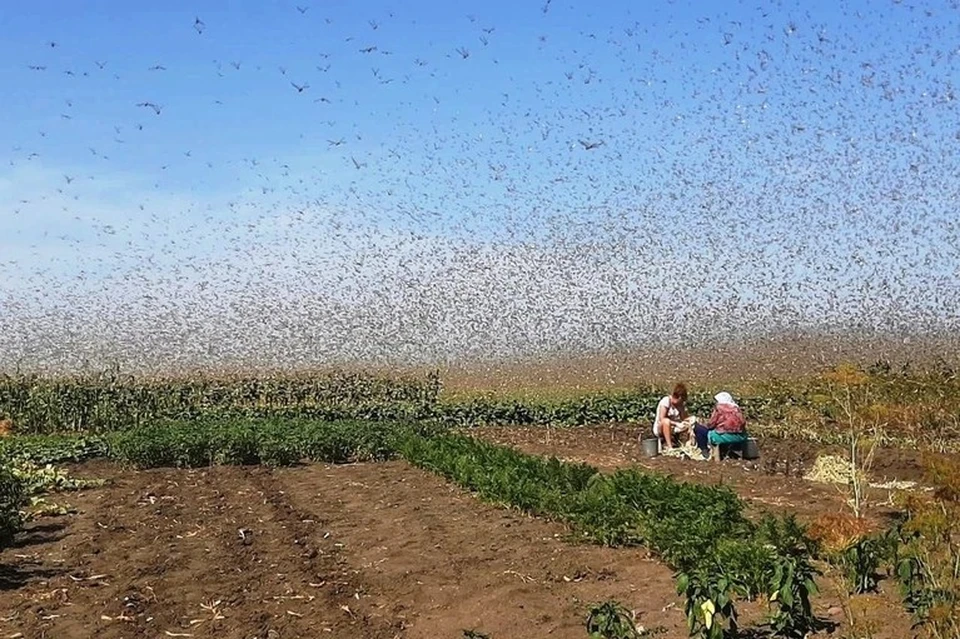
673, 413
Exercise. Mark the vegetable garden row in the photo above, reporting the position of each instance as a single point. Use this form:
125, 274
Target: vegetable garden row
886, 398
110, 402
720, 556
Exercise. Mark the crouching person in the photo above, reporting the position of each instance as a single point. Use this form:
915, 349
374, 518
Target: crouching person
671, 425
726, 426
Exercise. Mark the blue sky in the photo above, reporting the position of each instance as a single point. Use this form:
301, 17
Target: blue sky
805, 151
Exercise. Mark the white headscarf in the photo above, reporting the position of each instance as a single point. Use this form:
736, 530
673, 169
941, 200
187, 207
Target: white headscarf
725, 398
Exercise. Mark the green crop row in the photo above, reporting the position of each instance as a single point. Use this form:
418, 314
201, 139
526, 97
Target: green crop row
628, 407
28, 462
720, 556
624, 407
191, 444
270, 442
63, 409
109, 402
903, 407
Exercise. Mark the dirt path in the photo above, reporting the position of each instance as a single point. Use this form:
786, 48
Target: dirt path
159, 553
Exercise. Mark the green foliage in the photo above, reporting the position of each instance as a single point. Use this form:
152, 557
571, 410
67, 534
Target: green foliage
29, 462
791, 585
699, 530
111, 401
861, 563
795, 408
924, 594
27, 470
270, 442
575, 493
679, 517
720, 556
622, 407
921, 552
13, 499
40, 479
928, 558
179, 443
52, 449
709, 605
611, 620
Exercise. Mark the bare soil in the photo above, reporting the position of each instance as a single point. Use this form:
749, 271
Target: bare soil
443, 561
160, 553
375, 550
360, 551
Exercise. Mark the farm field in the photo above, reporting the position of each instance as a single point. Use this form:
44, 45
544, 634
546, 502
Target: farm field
353, 506
514, 320
361, 550
366, 550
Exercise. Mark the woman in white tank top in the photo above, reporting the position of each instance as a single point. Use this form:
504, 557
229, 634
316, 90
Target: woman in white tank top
671, 411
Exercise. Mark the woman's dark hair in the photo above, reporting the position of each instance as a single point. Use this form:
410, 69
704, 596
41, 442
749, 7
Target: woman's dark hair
680, 392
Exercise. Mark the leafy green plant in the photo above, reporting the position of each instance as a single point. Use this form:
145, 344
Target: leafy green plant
52, 449
612, 620
861, 563
28, 474
789, 574
791, 586
37, 480
13, 499
709, 608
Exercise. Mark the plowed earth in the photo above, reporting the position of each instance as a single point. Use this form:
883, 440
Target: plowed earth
355, 551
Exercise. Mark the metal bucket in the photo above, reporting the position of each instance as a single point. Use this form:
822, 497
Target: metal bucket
651, 447
750, 449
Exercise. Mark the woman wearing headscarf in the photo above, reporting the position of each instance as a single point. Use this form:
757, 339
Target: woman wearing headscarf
726, 425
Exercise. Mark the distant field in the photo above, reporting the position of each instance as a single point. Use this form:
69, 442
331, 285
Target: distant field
737, 366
